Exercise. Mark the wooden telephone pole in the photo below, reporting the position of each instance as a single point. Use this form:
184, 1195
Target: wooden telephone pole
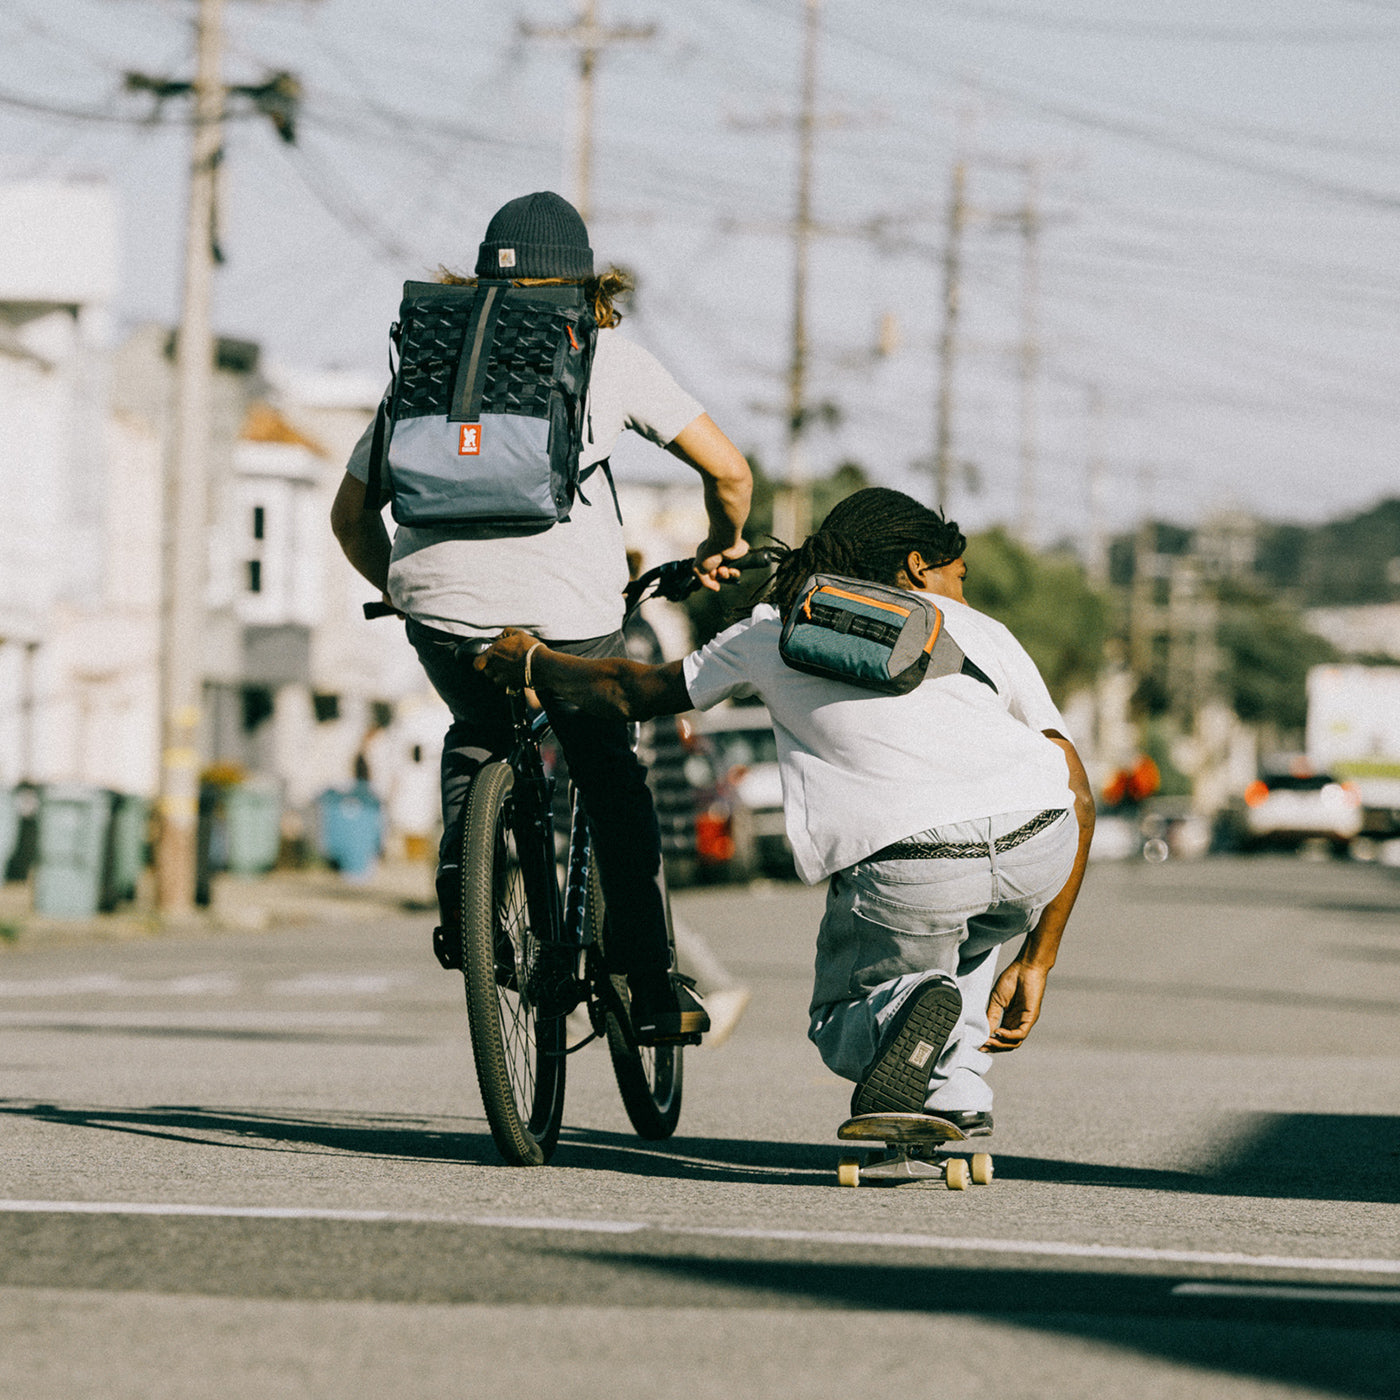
182, 619
591, 39
947, 340
185, 543
792, 506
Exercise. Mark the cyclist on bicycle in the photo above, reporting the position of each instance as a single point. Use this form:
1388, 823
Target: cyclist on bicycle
949, 819
563, 583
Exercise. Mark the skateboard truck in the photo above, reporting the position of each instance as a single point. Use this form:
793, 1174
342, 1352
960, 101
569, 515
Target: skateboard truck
915, 1149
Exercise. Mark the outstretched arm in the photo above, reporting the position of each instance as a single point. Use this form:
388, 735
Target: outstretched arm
613, 687
361, 532
1015, 1001
728, 485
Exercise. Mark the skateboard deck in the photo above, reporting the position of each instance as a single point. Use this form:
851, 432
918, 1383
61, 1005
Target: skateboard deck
915, 1149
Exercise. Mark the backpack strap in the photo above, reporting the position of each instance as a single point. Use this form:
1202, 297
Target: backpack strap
374, 482
379, 443
588, 471
469, 382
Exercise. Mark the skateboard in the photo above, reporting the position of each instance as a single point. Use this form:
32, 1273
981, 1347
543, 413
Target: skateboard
915, 1149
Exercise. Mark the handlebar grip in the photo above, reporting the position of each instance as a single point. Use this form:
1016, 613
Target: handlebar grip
379, 609
763, 558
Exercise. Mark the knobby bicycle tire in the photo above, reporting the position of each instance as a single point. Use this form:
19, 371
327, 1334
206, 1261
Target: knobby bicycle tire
519, 1056
649, 1078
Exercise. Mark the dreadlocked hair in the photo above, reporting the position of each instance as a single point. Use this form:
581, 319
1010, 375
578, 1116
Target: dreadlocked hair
868, 535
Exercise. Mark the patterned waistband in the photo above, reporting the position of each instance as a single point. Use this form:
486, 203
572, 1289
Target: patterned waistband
912, 849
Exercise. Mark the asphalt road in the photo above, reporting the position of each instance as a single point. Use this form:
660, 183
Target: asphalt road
255, 1164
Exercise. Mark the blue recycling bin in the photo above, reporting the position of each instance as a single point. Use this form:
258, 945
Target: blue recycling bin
351, 828
74, 829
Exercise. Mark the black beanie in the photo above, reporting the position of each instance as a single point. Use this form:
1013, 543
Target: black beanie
537, 235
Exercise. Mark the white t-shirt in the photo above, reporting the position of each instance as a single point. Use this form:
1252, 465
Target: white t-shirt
562, 583
861, 769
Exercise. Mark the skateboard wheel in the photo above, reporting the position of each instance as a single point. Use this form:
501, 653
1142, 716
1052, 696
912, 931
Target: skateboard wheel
982, 1168
848, 1171
956, 1174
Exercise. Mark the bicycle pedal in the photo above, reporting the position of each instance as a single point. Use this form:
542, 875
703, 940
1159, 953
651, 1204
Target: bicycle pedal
666, 1042
447, 948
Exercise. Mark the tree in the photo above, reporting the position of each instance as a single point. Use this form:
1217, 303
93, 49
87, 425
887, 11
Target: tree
1046, 601
1267, 653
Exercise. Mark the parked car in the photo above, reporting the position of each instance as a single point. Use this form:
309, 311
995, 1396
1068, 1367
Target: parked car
746, 751
696, 804
1294, 807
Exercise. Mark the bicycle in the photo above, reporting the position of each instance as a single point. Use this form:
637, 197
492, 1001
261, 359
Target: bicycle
530, 947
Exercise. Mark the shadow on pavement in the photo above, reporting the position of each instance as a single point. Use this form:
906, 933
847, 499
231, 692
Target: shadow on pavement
1269, 1156
362, 1135
1338, 1340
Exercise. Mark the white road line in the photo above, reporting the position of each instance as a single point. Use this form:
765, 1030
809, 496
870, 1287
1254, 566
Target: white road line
219, 984
193, 1020
1287, 1292
349, 984
852, 1239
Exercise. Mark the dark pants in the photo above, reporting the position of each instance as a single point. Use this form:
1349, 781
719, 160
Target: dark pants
622, 818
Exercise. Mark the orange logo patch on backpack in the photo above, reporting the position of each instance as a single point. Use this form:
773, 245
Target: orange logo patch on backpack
469, 444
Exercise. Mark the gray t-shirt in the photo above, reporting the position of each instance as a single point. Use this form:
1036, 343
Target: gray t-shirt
563, 583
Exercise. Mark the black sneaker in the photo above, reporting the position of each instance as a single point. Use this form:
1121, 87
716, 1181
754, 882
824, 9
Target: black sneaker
553, 986
896, 1080
973, 1122
667, 1010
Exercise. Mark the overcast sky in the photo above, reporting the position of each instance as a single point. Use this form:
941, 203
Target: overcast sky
1218, 189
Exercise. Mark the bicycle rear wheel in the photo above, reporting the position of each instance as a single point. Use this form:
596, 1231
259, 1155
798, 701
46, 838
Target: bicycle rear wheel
519, 1054
649, 1078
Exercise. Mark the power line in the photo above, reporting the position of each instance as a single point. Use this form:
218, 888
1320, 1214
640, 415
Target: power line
1170, 29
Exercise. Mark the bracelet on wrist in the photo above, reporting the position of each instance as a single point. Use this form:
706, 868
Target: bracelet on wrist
529, 655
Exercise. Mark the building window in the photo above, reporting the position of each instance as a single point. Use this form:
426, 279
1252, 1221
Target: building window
325, 707
257, 707
259, 523
255, 576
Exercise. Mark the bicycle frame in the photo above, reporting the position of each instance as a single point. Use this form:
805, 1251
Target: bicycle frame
562, 916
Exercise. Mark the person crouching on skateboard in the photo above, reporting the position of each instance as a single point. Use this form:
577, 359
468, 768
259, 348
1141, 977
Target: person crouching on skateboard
948, 820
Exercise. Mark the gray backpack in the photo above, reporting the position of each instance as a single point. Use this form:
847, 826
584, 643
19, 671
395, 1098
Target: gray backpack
483, 422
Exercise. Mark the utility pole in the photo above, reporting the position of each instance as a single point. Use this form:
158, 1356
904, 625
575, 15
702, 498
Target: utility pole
590, 39
792, 508
185, 541
182, 671
1098, 537
947, 341
1029, 356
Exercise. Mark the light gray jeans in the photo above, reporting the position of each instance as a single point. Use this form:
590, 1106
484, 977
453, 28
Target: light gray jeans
889, 923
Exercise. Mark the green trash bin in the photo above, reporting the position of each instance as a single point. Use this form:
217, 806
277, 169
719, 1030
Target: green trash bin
74, 828
130, 817
9, 828
252, 828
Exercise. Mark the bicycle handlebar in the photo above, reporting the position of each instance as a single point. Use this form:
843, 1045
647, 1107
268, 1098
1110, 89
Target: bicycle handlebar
677, 579
673, 580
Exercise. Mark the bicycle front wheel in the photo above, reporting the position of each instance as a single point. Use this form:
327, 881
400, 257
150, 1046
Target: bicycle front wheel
648, 1077
519, 1054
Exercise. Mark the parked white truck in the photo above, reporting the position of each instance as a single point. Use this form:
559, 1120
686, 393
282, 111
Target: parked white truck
1354, 733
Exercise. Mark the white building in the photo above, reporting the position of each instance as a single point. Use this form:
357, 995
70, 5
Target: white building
58, 254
